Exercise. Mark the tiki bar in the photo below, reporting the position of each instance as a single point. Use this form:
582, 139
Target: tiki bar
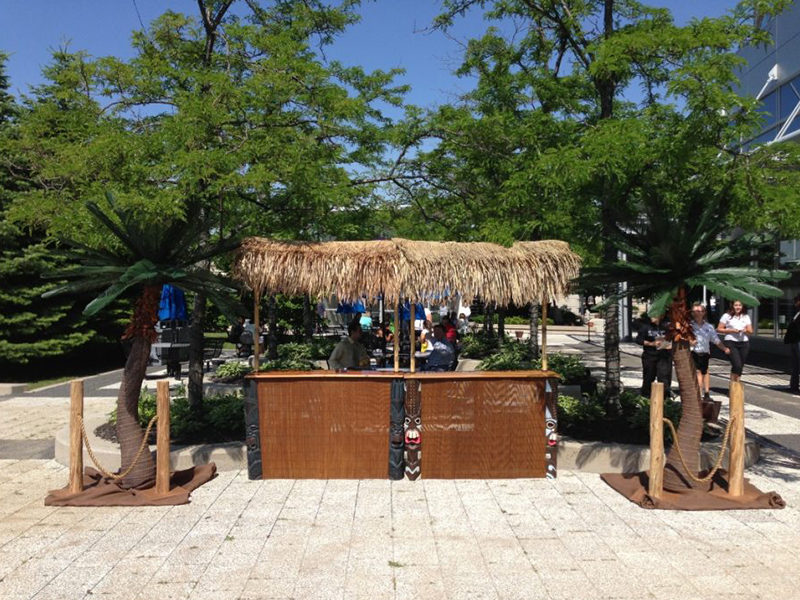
402, 422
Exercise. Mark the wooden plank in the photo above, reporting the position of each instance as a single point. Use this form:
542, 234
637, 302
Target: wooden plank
162, 437
483, 429
366, 374
331, 431
656, 477
75, 436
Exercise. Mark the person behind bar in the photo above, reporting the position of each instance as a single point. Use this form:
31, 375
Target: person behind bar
443, 355
349, 353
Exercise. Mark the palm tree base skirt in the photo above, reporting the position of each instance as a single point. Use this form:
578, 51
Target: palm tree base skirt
634, 487
102, 491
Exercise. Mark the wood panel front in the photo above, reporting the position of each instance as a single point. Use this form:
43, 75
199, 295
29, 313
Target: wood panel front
333, 429
482, 428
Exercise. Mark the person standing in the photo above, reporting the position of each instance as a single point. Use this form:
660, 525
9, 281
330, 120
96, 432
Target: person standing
736, 326
656, 358
705, 335
349, 353
792, 338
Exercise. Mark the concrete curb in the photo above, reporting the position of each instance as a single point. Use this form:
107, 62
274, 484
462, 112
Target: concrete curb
12, 389
573, 455
599, 457
230, 456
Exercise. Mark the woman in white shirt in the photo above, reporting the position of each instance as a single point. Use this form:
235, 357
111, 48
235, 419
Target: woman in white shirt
736, 325
705, 335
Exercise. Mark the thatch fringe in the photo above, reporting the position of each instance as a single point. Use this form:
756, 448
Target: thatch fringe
525, 272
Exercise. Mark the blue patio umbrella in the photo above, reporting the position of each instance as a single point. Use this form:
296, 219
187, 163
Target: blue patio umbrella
348, 308
405, 311
173, 304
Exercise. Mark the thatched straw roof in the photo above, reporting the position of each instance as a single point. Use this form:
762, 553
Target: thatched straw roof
524, 272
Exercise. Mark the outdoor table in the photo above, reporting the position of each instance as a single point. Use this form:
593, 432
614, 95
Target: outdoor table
173, 356
328, 425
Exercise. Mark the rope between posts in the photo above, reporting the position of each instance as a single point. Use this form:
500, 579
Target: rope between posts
717, 463
136, 458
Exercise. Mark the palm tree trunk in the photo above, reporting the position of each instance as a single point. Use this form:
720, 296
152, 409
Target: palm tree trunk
196, 342
690, 429
691, 426
129, 432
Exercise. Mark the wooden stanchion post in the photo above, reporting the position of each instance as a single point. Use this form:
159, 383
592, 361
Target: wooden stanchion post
544, 335
162, 438
75, 437
397, 336
736, 472
656, 478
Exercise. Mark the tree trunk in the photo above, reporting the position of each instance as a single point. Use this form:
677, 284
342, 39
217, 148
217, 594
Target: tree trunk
611, 352
533, 330
130, 434
690, 429
501, 324
272, 319
490, 318
308, 318
196, 342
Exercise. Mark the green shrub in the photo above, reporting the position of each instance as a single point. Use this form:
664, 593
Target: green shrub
321, 348
292, 356
515, 320
588, 418
231, 371
221, 419
513, 355
569, 366
479, 345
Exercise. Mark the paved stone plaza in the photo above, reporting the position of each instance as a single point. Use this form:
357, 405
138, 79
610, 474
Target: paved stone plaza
571, 538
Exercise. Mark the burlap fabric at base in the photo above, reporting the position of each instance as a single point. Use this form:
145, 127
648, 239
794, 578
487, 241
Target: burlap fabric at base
634, 487
102, 491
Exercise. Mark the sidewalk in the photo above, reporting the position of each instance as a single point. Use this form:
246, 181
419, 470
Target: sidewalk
570, 538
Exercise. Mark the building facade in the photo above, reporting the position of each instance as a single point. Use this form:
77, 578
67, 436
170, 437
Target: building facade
772, 75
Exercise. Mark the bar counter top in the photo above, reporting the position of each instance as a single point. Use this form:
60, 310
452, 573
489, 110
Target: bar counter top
402, 374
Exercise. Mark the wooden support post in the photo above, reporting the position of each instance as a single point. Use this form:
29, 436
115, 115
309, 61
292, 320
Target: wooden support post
257, 326
544, 335
736, 472
412, 334
162, 438
656, 478
397, 336
75, 437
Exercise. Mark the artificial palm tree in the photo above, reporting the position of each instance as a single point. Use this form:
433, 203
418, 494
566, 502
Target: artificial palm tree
667, 252
137, 259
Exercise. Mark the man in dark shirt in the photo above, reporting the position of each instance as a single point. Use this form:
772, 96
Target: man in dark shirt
792, 338
656, 358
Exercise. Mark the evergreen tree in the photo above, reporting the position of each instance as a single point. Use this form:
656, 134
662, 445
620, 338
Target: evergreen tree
31, 328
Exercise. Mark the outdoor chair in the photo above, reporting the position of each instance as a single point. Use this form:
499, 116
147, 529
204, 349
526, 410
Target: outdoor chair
212, 350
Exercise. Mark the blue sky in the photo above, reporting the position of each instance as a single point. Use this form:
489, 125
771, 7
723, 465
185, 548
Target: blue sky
392, 33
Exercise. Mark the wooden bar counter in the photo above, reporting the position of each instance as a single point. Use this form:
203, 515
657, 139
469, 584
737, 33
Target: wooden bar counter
329, 425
